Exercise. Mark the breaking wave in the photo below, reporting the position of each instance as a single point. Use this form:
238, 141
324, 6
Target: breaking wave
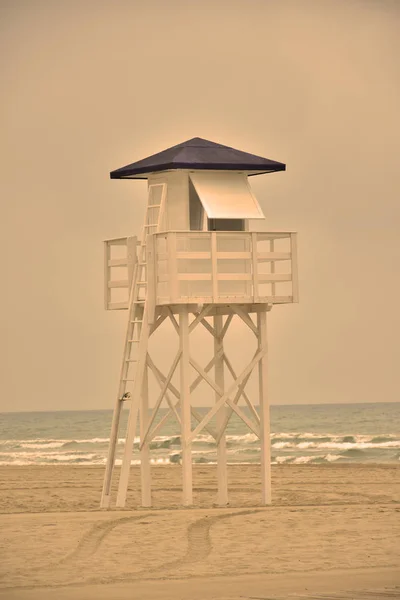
287, 448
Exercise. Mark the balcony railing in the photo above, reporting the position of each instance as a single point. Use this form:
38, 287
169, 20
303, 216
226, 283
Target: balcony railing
197, 267
222, 267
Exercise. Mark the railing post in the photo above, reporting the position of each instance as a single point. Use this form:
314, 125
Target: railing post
255, 267
172, 267
107, 290
295, 275
214, 266
272, 249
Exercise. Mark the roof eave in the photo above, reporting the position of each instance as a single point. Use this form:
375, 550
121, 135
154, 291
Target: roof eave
141, 172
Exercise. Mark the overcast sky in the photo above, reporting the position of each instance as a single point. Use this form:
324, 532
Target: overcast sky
88, 86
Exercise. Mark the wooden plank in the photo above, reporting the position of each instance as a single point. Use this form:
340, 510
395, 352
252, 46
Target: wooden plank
231, 389
245, 396
207, 368
151, 278
295, 273
172, 268
273, 256
233, 255
145, 474
133, 414
245, 318
194, 276
254, 268
118, 262
161, 395
264, 411
186, 440
272, 248
252, 426
222, 477
131, 245
214, 266
107, 297
118, 283
193, 255
106, 493
118, 305
200, 316
270, 277
234, 277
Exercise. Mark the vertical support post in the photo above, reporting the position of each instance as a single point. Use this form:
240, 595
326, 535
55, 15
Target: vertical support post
106, 493
185, 406
264, 411
222, 497
107, 291
145, 451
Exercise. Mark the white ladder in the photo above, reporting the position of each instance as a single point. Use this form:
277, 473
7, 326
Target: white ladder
135, 351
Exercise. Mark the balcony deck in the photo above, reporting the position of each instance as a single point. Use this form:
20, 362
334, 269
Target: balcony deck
204, 267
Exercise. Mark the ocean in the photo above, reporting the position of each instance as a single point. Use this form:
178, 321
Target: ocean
301, 434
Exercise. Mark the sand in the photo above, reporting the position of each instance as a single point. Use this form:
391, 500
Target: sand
332, 532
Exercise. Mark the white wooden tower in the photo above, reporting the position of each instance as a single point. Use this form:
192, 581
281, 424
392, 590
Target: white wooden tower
197, 263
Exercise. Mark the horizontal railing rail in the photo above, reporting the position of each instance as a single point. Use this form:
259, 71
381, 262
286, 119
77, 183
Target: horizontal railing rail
222, 266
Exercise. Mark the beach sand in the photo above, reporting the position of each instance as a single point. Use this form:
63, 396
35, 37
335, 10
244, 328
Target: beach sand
333, 531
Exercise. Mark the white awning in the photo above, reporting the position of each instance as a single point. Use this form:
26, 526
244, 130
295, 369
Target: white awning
226, 196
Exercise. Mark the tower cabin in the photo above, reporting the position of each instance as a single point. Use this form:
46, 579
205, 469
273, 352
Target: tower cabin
196, 263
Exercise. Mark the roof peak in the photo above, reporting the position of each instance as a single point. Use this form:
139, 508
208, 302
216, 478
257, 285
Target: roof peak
198, 153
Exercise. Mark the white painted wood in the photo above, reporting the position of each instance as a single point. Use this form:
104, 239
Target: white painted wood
214, 268
295, 275
119, 283
145, 472
106, 493
151, 278
133, 414
107, 296
118, 305
186, 440
264, 411
172, 268
226, 195
117, 262
231, 389
222, 476
161, 395
131, 247
254, 266
249, 403
245, 318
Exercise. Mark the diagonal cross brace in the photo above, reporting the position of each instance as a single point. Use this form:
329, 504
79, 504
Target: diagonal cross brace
226, 395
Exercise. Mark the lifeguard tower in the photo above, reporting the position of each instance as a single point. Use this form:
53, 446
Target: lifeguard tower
197, 263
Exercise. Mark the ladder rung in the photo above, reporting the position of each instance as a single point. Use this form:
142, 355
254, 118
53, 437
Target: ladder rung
133, 341
137, 321
128, 380
151, 225
154, 206
139, 283
131, 360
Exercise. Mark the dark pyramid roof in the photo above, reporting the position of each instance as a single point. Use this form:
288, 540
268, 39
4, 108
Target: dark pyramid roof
198, 154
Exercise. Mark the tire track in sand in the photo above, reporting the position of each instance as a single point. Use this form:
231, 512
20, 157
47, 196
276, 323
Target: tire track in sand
199, 541
92, 539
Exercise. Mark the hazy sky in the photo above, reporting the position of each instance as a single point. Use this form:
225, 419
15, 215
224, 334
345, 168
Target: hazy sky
88, 86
